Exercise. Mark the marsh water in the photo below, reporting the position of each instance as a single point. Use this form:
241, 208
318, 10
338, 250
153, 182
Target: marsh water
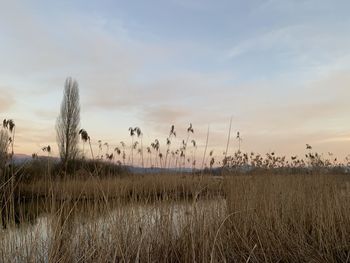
39, 224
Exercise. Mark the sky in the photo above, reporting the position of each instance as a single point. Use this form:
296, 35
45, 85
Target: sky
280, 69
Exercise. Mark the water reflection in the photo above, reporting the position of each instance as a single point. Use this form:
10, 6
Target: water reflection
49, 230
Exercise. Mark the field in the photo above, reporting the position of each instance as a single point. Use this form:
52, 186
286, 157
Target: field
102, 208
263, 217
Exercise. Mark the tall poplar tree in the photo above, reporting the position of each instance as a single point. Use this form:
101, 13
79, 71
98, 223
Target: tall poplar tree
67, 124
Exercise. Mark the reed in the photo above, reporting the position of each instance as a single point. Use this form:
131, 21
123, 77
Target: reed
260, 218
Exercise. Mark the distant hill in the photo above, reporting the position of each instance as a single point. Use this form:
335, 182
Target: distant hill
22, 158
140, 170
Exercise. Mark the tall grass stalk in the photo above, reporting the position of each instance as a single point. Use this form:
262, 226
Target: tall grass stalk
205, 149
228, 138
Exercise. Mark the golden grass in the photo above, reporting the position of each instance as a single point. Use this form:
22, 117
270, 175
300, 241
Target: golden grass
133, 187
269, 218
295, 218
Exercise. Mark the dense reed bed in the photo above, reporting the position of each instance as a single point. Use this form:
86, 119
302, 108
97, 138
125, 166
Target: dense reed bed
299, 218
126, 187
241, 208
246, 218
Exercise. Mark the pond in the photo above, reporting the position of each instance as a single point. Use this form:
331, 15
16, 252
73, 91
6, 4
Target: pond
75, 223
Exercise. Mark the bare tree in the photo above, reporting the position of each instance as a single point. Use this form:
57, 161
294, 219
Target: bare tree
67, 124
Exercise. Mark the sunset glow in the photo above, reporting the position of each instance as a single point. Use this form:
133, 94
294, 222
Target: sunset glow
280, 69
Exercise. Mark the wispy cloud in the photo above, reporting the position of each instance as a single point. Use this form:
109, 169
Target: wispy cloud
307, 45
284, 77
6, 100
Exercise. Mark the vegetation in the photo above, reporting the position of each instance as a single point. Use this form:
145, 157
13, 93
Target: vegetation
244, 207
67, 125
169, 217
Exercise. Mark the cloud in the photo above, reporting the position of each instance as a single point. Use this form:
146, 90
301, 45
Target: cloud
156, 84
316, 115
181, 89
47, 115
193, 4
267, 118
295, 38
31, 136
6, 100
306, 46
101, 58
163, 114
280, 37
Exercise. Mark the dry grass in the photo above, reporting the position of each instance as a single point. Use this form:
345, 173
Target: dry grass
290, 218
270, 218
133, 187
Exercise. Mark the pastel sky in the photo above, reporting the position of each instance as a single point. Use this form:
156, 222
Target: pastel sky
280, 68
